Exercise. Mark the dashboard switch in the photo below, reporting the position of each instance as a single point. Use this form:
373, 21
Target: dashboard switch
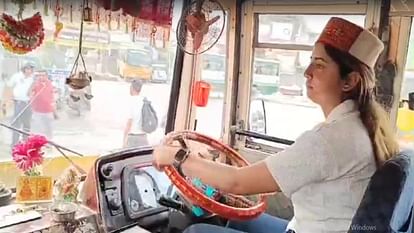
113, 199
107, 170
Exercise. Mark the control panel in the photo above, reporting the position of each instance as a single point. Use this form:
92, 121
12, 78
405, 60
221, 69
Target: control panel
130, 189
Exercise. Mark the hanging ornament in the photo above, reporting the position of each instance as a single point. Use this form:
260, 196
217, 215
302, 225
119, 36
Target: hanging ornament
58, 11
58, 25
5, 5
58, 29
21, 9
82, 79
87, 13
34, 5
165, 37
109, 20
126, 24
118, 21
45, 8
98, 18
134, 29
21, 4
21, 36
71, 14
152, 36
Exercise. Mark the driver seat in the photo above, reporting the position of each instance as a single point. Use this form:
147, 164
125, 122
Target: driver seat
387, 204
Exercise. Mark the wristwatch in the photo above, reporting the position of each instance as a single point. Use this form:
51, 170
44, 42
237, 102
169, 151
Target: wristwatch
179, 159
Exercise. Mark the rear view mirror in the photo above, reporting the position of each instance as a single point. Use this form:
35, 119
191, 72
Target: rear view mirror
257, 117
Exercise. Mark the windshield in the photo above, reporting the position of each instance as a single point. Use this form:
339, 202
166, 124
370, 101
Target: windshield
92, 121
138, 58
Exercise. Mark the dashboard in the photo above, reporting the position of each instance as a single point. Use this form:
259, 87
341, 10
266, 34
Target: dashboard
129, 188
141, 187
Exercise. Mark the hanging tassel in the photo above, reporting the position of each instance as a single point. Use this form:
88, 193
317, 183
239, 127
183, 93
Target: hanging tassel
134, 36
118, 18
109, 21
98, 18
126, 24
152, 36
71, 14
134, 29
34, 5
45, 8
21, 9
138, 33
58, 24
58, 10
165, 37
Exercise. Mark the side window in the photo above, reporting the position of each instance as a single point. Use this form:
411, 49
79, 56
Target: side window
281, 54
405, 118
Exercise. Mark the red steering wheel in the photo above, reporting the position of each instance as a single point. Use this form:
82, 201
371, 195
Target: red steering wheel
236, 207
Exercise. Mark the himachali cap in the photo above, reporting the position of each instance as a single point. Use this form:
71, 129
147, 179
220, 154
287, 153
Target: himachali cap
353, 39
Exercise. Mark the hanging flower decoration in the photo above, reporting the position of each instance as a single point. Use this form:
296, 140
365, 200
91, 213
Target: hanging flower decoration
21, 36
28, 154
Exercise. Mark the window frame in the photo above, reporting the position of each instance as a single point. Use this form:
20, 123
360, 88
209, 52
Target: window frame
249, 42
186, 111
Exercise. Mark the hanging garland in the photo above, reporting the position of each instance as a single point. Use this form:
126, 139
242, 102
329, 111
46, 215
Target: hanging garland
21, 36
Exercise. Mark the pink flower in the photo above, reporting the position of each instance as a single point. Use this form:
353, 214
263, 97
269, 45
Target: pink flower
28, 154
36, 141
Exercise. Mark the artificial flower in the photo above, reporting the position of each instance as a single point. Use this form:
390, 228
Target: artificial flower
28, 154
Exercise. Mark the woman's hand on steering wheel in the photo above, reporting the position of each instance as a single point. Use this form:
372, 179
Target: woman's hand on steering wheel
164, 155
201, 183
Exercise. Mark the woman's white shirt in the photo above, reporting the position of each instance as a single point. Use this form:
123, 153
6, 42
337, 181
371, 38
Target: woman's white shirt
326, 171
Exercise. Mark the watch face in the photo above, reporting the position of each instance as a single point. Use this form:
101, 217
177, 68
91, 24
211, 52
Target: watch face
180, 155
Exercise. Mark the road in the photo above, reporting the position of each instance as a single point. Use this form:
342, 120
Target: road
101, 130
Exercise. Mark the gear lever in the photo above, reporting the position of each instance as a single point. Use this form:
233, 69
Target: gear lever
174, 204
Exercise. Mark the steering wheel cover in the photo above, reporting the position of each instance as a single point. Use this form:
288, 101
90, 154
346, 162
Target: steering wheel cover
198, 198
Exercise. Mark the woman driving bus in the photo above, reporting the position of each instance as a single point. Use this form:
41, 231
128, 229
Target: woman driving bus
326, 171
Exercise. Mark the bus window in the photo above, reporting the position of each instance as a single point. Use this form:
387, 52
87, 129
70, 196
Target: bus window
278, 73
405, 118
